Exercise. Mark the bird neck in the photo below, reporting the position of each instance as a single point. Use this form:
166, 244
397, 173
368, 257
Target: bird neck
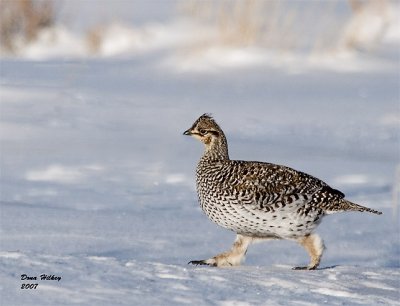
217, 149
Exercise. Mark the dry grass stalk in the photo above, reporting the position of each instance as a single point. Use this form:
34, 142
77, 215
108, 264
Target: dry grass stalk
284, 25
21, 20
94, 38
242, 23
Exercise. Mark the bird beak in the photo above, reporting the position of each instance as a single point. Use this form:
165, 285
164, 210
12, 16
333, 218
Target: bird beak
187, 132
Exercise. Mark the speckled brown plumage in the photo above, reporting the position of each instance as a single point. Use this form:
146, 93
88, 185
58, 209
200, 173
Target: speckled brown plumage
261, 200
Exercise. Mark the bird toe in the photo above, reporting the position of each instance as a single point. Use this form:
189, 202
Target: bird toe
198, 262
304, 268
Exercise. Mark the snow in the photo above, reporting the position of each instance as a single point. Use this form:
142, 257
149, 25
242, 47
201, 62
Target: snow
97, 180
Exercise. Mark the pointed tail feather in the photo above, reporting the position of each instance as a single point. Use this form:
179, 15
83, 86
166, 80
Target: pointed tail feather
345, 205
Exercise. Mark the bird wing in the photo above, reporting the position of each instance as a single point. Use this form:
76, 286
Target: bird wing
266, 184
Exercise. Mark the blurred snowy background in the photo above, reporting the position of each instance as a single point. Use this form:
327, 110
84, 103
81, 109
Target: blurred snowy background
97, 181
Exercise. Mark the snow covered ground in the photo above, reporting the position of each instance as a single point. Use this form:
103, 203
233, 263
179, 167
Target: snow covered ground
97, 180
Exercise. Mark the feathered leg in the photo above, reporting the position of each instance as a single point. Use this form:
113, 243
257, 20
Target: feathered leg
314, 247
233, 257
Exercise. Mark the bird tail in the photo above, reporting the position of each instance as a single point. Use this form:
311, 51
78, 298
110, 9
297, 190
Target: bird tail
345, 205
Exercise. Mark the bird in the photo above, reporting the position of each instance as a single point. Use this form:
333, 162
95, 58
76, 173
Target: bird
259, 200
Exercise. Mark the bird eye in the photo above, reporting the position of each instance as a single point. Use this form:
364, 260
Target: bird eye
202, 131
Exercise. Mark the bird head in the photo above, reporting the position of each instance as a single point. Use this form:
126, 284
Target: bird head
205, 129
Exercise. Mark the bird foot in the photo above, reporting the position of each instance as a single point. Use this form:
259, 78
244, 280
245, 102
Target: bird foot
201, 263
304, 268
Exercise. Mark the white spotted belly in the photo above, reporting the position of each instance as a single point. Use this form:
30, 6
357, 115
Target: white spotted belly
250, 221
